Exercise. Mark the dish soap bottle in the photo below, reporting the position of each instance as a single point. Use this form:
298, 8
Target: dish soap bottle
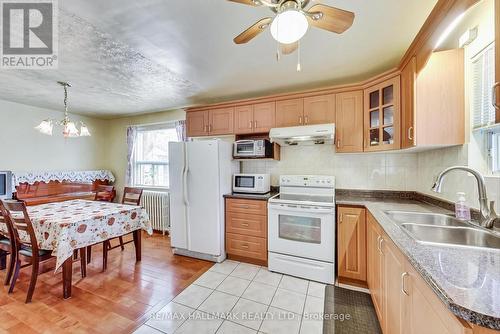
462, 210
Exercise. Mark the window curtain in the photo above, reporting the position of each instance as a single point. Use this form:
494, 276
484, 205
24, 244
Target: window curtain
131, 139
180, 127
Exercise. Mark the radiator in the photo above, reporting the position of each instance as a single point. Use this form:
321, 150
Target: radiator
156, 204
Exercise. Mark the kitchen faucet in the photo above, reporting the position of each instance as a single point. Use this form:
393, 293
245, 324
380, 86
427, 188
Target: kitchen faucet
488, 215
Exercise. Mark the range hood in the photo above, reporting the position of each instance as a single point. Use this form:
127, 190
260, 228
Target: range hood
304, 135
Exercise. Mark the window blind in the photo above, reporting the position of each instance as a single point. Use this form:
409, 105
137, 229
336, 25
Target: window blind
483, 78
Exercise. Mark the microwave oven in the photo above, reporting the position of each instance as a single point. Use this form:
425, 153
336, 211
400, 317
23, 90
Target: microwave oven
252, 183
253, 148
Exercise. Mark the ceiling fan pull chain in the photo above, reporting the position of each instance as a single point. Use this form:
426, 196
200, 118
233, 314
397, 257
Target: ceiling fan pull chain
299, 66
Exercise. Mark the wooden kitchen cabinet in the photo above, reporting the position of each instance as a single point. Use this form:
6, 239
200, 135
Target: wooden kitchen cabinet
243, 120
403, 301
425, 312
246, 230
256, 118
408, 97
197, 123
382, 116
392, 287
319, 109
210, 122
349, 122
374, 265
221, 121
351, 231
289, 113
264, 117
438, 116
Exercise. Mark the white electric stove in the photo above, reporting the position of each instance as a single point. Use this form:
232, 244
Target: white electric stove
301, 227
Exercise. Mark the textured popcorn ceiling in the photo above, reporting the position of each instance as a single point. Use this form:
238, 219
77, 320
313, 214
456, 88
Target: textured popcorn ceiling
127, 56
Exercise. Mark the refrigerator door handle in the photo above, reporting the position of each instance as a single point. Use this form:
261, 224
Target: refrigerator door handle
184, 179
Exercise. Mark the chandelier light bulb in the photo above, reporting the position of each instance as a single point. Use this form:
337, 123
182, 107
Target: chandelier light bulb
45, 127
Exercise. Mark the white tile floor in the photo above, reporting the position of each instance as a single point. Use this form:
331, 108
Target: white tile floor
234, 297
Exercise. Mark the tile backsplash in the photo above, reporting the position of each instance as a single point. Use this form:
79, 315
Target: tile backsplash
385, 171
380, 171
431, 163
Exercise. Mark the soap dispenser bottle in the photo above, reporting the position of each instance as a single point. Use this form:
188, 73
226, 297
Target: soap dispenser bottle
462, 210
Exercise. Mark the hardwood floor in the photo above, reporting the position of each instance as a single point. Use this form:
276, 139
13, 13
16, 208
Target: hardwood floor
117, 301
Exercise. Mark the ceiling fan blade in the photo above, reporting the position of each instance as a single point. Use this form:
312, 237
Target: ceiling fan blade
287, 49
330, 18
247, 2
253, 31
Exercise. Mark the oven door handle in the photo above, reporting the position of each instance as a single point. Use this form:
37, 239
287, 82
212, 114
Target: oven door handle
300, 208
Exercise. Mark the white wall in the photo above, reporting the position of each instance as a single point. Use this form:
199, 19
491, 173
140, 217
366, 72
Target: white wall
25, 149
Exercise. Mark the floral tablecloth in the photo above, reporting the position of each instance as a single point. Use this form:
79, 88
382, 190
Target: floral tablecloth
66, 226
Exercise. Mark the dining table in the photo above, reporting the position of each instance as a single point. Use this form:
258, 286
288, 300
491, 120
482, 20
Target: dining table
65, 227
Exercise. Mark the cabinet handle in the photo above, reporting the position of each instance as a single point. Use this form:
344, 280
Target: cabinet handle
494, 96
244, 224
250, 124
306, 119
403, 289
340, 219
207, 128
255, 124
410, 130
338, 143
244, 206
300, 119
210, 128
380, 245
244, 246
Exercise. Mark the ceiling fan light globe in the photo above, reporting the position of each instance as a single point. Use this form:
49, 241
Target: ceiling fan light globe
289, 26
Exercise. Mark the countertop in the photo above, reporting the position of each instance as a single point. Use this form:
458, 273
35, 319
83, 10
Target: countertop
466, 280
261, 197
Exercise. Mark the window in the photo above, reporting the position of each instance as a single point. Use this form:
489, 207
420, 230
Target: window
483, 78
487, 134
150, 157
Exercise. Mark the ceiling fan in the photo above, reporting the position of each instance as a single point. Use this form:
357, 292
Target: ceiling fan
292, 20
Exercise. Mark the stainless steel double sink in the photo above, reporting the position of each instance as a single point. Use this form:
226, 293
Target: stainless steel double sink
440, 229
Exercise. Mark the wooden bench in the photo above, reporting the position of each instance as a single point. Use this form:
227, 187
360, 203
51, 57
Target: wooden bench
55, 191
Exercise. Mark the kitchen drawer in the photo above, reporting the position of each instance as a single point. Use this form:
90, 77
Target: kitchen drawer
246, 224
248, 206
249, 247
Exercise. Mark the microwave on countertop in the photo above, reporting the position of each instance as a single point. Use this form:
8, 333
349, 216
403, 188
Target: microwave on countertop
253, 148
252, 183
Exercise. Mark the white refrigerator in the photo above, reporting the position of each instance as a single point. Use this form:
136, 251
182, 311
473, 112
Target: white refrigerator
200, 174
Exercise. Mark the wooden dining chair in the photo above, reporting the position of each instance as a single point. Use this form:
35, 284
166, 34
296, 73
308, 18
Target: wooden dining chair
105, 193
26, 250
7, 246
131, 196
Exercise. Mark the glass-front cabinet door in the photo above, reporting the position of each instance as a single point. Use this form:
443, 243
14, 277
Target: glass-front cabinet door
382, 116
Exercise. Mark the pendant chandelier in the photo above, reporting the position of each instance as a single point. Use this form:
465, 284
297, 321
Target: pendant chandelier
69, 128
